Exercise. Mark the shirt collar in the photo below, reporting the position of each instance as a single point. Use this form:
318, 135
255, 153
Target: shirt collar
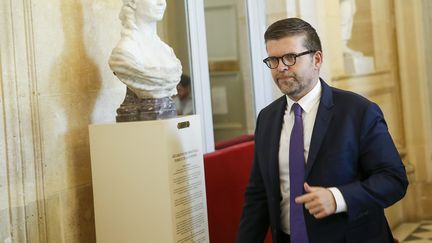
307, 101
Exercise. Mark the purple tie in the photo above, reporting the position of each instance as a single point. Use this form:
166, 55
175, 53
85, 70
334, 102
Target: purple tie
297, 172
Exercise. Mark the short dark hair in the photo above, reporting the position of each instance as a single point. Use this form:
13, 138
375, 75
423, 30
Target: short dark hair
294, 26
185, 80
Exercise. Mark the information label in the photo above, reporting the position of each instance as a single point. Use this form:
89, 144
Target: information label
188, 197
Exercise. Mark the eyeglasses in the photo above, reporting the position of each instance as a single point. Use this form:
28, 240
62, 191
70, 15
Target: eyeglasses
288, 59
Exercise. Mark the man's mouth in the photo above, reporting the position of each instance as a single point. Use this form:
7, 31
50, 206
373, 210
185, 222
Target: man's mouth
286, 78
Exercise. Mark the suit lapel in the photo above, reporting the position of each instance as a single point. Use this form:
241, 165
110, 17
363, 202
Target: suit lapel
274, 128
324, 115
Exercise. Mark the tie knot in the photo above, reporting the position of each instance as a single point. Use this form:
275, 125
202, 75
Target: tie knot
297, 109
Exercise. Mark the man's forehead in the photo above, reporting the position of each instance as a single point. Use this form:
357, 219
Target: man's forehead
293, 42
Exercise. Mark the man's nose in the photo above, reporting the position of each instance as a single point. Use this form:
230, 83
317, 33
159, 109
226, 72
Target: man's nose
281, 66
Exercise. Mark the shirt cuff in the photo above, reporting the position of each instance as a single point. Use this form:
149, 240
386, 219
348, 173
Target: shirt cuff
340, 201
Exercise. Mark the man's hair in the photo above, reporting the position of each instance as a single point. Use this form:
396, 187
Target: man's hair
294, 26
185, 80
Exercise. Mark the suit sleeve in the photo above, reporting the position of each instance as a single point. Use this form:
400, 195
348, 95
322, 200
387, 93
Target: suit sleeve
382, 179
254, 221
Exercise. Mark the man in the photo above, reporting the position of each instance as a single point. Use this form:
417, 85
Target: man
324, 171
183, 99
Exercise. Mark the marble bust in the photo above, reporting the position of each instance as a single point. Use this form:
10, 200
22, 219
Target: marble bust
354, 61
141, 60
347, 11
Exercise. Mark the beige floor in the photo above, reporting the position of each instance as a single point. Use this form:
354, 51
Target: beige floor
420, 232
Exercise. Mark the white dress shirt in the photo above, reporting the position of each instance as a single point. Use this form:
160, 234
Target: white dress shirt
309, 103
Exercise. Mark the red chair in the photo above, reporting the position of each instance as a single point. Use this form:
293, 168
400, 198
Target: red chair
227, 174
234, 141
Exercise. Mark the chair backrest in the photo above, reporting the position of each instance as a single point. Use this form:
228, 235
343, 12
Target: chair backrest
233, 141
226, 174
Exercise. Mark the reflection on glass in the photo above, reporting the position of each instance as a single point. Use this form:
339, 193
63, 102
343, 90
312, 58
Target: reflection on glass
229, 67
183, 99
173, 30
276, 10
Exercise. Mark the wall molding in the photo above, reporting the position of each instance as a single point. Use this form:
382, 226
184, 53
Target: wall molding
20, 124
411, 46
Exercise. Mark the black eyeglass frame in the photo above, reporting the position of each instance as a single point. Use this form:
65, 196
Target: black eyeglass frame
267, 60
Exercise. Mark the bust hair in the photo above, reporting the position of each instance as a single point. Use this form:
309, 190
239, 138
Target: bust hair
291, 27
127, 17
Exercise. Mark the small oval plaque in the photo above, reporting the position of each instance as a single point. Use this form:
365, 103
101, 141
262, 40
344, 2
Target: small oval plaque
182, 125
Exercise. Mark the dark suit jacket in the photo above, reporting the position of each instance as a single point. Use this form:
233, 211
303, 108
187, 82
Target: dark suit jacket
351, 149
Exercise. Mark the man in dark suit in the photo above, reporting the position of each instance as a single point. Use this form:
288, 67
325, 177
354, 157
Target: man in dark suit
349, 168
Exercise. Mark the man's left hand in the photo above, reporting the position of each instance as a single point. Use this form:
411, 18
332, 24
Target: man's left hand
319, 201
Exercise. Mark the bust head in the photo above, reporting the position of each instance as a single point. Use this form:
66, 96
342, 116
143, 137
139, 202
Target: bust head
150, 10
147, 10
141, 60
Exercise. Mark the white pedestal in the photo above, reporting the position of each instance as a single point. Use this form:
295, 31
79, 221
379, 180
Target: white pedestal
148, 181
358, 64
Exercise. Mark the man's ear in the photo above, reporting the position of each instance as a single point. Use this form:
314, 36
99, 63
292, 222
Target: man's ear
318, 59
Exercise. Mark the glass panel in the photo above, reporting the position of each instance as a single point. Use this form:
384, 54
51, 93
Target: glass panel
173, 30
276, 10
229, 66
